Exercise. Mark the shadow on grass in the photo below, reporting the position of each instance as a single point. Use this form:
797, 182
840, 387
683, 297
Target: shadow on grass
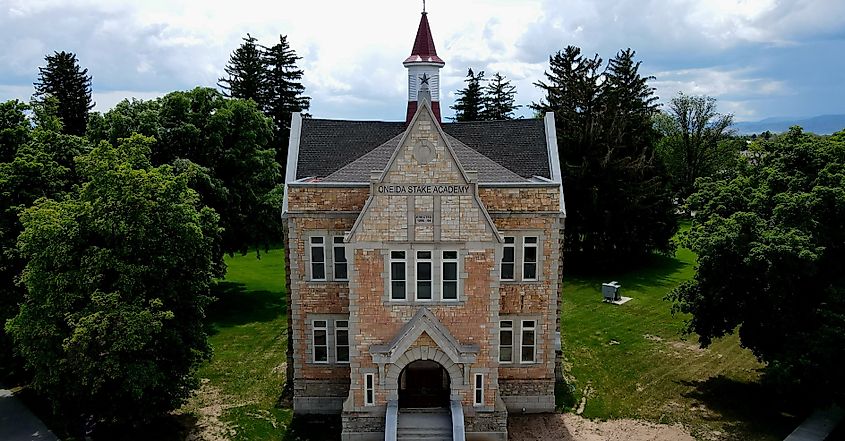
234, 305
747, 407
657, 269
564, 396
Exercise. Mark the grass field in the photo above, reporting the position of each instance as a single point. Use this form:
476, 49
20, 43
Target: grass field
632, 361
243, 382
628, 361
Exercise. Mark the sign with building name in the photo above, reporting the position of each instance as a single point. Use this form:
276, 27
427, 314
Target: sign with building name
423, 218
424, 189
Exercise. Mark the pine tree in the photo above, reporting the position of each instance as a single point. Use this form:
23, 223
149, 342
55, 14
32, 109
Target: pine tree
617, 191
246, 72
283, 91
499, 97
63, 80
470, 102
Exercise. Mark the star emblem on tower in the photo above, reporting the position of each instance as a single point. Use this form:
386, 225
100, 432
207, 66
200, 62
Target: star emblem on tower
424, 79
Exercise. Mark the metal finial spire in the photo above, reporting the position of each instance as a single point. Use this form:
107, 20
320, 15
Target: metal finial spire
423, 6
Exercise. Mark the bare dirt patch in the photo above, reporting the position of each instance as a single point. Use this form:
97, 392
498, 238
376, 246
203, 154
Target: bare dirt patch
570, 427
208, 404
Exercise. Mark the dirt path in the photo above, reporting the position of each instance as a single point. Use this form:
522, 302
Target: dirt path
570, 427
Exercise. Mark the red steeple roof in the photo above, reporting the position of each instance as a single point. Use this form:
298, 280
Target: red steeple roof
423, 51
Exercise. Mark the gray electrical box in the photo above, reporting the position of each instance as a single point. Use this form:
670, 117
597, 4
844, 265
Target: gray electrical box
610, 291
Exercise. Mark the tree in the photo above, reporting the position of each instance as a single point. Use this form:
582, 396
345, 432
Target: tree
469, 103
247, 73
284, 92
499, 97
37, 162
223, 144
617, 195
116, 279
771, 261
63, 79
695, 141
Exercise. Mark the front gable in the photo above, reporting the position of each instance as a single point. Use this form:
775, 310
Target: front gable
424, 194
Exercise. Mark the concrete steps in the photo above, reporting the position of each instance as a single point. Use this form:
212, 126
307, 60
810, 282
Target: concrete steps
424, 425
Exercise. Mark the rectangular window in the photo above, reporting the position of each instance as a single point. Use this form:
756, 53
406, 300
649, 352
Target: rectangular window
423, 275
369, 390
450, 275
320, 339
529, 258
479, 389
341, 341
339, 254
527, 341
397, 275
508, 258
506, 341
318, 258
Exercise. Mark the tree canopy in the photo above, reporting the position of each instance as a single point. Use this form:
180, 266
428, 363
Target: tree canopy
617, 198
246, 73
35, 162
116, 279
223, 144
70, 85
695, 141
771, 260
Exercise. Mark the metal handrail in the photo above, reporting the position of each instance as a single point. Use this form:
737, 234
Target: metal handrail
391, 420
458, 431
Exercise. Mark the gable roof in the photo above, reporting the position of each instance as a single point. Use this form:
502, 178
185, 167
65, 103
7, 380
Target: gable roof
346, 151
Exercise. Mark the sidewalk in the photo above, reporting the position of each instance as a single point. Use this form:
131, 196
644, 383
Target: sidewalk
818, 426
17, 423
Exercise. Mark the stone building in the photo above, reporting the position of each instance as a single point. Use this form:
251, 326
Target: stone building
423, 267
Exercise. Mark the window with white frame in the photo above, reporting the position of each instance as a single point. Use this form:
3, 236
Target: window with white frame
449, 275
506, 341
320, 341
397, 275
479, 390
341, 341
527, 342
424, 271
318, 258
529, 258
369, 390
339, 258
508, 258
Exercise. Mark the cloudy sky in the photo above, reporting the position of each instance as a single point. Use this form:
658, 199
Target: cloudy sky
760, 58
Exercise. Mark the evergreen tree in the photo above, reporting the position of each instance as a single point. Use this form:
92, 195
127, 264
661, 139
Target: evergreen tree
616, 191
246, 73
63, 80
499, 97
470, 101
283, 91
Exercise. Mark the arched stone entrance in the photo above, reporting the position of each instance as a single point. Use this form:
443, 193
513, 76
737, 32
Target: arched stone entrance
424, 384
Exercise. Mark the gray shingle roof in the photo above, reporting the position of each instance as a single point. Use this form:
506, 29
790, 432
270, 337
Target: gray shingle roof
346, 151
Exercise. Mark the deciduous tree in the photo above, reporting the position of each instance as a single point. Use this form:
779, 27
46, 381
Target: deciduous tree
771, 261
695, 141
116, 279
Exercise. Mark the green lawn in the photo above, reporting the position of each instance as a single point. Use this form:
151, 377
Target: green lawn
628, 361
242, 384
632, 361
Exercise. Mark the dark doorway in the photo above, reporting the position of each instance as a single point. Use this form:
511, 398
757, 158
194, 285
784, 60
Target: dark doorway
423, 383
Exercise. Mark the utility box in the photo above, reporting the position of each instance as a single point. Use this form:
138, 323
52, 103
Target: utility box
610, 291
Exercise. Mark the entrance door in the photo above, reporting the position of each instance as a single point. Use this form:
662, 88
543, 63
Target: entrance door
423, 383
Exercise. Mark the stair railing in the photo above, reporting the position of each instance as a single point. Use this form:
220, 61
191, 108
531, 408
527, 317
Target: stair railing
391, 420
458, 431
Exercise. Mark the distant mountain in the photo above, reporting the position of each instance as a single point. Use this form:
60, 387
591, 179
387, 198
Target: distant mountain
821, 125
